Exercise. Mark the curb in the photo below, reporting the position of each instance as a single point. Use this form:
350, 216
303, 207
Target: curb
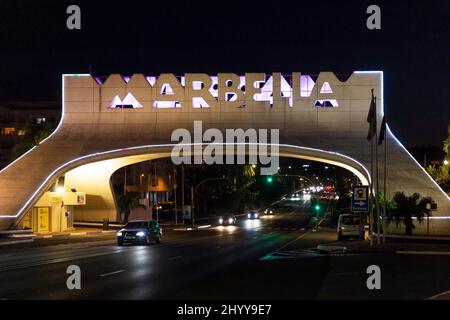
207, 226
71, 234
331, 248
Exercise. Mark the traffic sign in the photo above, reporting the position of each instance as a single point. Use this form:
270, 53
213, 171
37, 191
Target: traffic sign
360, 199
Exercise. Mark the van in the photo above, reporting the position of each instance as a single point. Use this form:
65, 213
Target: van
350, 225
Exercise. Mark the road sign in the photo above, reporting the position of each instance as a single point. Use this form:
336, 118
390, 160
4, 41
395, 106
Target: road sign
360, 199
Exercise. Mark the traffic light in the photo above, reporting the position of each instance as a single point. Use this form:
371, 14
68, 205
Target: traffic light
269, 179
317, 207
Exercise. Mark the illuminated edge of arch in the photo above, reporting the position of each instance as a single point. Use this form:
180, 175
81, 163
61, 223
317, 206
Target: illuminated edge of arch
97, 154
395, 138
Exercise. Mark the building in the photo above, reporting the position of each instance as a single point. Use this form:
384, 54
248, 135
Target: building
109, 124
19, 119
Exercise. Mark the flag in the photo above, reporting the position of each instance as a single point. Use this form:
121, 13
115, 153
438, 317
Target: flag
382, 131
372, 119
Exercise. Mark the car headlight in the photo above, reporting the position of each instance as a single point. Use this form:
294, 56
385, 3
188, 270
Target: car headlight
119, 234
230, 220
220, 220
140, 234
256, 215
248, 215
271, 211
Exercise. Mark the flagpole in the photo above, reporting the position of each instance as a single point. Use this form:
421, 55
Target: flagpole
377, 202
371, 184
385, 181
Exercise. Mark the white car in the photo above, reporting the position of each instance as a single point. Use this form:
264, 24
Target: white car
349, 225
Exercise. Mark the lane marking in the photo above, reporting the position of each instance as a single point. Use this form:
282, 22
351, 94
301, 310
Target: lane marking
438, 295
56, 260
111, 273
298, 238
433, 253
9, 243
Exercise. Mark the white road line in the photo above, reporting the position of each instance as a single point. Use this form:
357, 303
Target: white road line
7, 243
56, 260
288, 243
439, 295
298, 238
433, 253
111, 273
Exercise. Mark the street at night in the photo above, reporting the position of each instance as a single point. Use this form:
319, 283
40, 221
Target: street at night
271, 258
224, 159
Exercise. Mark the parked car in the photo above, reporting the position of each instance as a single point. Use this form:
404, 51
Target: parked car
350, 225
140, 231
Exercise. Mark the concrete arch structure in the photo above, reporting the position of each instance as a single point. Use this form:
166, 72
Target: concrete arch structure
96, 137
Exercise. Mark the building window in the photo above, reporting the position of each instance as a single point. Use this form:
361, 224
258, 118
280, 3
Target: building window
8, 131
40, 120
21, 132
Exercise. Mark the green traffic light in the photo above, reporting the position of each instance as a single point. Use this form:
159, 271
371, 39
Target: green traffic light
317, 207
269, 179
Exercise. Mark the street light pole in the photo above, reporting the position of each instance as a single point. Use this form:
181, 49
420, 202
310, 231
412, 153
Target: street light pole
194, 190
175, 192
192, 205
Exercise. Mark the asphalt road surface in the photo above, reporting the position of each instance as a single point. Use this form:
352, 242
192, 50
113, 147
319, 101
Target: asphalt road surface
270, 258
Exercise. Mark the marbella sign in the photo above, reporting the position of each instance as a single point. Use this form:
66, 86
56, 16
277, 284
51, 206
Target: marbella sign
205, 91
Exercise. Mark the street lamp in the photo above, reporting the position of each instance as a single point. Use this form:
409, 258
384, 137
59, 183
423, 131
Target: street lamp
193, 190
446, 162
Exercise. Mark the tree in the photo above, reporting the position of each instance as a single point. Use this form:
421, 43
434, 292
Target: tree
441, 174
407, 207
34, 135
447, 143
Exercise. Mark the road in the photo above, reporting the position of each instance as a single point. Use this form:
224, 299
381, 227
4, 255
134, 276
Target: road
257, 259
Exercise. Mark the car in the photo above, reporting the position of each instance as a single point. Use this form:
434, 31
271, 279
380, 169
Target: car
350, 225
140, 231
253, 215
269, 211
227, 220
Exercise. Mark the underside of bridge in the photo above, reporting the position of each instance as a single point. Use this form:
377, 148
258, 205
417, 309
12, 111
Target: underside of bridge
101, 204
95, 137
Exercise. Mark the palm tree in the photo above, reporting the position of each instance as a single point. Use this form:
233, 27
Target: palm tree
446, 143
441, 175
407, 207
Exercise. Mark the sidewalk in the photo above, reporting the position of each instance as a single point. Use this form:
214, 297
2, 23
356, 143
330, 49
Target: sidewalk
417, 247
20, 237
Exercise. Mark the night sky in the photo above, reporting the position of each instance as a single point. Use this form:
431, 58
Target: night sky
150, 37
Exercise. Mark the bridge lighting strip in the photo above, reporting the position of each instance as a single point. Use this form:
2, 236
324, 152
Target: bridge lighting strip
395, 138
61, 167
